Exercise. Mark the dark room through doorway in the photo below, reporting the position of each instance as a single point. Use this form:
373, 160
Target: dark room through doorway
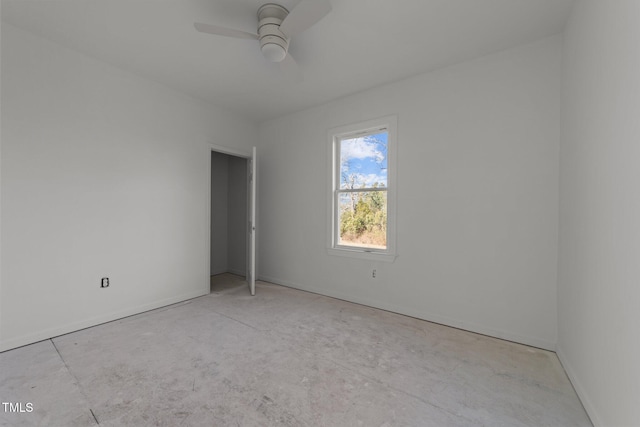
229, 221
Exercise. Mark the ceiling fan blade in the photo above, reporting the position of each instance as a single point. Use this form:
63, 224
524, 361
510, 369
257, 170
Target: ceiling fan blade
223, 31
304, 15
290, 69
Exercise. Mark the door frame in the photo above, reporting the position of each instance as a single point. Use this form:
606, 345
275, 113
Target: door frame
248, 156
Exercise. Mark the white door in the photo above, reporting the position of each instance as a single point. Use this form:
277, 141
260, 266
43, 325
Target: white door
251, 275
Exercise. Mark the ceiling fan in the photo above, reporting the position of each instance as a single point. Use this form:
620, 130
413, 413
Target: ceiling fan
276, 26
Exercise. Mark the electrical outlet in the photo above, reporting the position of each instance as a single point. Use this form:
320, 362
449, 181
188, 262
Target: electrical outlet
105, 282
373, 273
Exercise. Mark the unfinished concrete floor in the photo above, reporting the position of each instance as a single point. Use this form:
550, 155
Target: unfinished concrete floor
225, 281
283, 357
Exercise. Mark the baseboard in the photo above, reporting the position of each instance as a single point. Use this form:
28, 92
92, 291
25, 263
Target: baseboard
580, 390
443, 320
94, 321
237, 272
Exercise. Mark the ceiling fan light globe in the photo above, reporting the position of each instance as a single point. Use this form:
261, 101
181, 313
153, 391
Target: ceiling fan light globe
273, 52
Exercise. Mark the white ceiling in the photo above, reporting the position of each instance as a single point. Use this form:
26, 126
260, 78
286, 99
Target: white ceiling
359, 45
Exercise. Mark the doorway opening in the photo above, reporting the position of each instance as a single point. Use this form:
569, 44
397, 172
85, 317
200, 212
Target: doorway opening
229, 222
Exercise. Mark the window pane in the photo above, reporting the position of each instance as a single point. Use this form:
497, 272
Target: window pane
363, 219
363, 161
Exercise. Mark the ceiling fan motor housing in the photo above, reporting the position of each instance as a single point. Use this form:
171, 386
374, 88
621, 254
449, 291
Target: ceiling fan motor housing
273, 43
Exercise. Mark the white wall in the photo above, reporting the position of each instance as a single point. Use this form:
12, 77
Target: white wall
228, 214
477, 201
103, 174
0, 173
219, 212
237, 214
599, 276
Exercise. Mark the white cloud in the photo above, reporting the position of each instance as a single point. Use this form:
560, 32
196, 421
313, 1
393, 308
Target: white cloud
360, 148
372, 178
367, 180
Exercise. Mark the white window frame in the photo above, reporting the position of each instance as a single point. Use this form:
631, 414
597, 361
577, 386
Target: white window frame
388, 124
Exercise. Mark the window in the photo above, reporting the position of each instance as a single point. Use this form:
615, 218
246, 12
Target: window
363, 190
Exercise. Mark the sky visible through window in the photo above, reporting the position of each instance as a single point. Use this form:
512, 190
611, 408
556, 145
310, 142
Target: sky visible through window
363, 161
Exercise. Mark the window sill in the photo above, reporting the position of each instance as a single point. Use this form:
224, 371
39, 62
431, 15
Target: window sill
361, 254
